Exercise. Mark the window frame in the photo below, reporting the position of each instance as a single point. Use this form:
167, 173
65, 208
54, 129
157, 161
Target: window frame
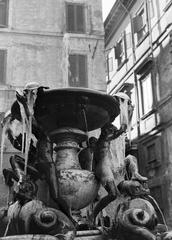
75, 5
5, 25
141, 79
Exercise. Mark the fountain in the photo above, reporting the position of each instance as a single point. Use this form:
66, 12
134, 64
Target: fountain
53, 125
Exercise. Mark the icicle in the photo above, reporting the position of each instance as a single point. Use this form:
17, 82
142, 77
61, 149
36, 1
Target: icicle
118, 155
65, 58
30, 92
7, 227
28, 141
5, 124
130, 115
24, 120
126, 112
2, 146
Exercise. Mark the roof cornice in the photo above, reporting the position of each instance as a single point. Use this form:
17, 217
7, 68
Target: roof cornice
115, 17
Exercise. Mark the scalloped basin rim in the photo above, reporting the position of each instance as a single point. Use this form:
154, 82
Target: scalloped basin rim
29, 237
81, 108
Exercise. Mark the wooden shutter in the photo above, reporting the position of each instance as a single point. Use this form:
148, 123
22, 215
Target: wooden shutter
128, 39
80, 18
82, 70
70, 18
137, 23
72, 70
75, 18
120, 47
3, 13
2, 66
117, 51
78, 71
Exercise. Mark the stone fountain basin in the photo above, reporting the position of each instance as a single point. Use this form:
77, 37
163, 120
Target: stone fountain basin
80, 108
77, 187
29, 237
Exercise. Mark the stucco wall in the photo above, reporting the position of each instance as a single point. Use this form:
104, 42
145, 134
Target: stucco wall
37, 49
35, 42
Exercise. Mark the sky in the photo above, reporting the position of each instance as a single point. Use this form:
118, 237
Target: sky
107, 5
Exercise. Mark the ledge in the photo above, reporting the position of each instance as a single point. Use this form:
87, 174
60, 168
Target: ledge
108, 82
12, 30
142, 39
148, 114
165, 100
153, 164
122, 64
167, 6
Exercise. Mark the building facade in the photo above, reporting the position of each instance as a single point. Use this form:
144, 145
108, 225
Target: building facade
138, 38
56, 43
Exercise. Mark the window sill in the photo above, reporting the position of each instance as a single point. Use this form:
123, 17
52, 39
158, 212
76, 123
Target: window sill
109, 81
142, 39
4, 27
148, 114
167, 6
122, 64
75, 32
153, 164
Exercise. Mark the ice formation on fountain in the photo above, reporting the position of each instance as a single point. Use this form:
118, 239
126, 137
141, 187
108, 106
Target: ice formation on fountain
48, 127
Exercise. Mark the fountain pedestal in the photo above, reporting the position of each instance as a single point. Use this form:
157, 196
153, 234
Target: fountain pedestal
61, 118
77, 187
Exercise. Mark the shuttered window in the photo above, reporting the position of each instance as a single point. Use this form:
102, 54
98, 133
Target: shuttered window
78, 70
146, 93
140, 24
75, 18
120, 50
3, 13
3, 54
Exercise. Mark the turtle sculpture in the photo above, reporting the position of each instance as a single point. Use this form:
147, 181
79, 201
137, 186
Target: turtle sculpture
48, 127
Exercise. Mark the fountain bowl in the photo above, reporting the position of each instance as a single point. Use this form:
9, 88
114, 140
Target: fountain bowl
80, 108
30, 237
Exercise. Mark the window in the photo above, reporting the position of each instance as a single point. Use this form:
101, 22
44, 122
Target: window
120, 51
2, 66
3, 13
75, 18
146, 94
140, 25
78, 70
151, 151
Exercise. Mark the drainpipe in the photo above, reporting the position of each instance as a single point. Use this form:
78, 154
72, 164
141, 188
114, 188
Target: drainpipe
148, 17
134, 61
155, 69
